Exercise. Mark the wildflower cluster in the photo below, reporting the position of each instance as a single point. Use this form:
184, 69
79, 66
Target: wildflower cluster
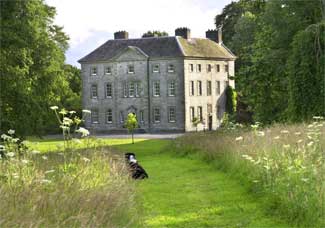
12, 146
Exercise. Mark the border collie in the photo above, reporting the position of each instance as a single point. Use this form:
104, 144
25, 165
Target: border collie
136, 170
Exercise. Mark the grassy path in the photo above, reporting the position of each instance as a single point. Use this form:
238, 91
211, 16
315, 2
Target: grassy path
185, 192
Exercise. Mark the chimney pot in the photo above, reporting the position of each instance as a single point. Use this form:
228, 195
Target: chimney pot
214, 35
121, 35
183, 32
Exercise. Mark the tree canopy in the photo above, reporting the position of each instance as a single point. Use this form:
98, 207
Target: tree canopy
154, 33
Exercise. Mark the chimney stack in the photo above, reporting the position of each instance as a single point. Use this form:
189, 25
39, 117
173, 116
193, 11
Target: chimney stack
214, 35
121, 35
183, 32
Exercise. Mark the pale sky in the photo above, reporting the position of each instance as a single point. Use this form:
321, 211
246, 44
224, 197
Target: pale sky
90, 23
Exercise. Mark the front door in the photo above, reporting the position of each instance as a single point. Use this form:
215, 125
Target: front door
210, 122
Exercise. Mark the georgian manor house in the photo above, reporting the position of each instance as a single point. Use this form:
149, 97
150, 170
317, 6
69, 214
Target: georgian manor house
165, 81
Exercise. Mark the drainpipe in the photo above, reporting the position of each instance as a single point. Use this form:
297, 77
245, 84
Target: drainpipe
149, 98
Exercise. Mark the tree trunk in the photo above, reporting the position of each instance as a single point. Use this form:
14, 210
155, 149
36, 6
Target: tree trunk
132, 138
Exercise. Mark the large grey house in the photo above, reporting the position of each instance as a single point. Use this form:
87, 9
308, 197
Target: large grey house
165, 81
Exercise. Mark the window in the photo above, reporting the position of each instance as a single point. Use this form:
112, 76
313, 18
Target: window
131, 89
171, 68
156, 89
226, 68
125, 90
156, 115
109, 91
199, 88
218, 87
109, 116
192, 113
191, 68
208, 88
94, 116
171, 114
226, 83
218, 68
93, 71
155, 68
209, 108
191, 88
121, 117
199, 113
209, 68
198, 68
141, 116
137, 89
171, 89
130, 69
93, 92
108, 70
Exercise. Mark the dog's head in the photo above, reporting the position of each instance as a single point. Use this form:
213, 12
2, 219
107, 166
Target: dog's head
130, 157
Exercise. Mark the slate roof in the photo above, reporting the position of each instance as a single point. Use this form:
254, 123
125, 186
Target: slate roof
156, 47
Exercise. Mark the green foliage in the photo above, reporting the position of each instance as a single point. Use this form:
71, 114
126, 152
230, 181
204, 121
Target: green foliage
33, 75
264, 36
131, 124
231, 100
196, 121
154, 33
306, 73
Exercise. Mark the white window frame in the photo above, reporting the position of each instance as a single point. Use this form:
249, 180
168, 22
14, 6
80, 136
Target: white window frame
170, 68
94, 115
141, 116
156, 68
158, 114
137, 89
209, 88
199, 88
218, 89
200, 113
92, 72
110, 70
199, 67
156, 90
107, 89
121, 117
92, 91
172, 89
129, 69
125, 89
131, 89
192, 88
192, 113
109, 113
171, 120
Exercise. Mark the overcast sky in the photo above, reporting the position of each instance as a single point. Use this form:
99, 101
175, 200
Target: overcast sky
89, 23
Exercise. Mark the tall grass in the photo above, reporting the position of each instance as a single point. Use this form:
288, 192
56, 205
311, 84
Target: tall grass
80, 188
284, 164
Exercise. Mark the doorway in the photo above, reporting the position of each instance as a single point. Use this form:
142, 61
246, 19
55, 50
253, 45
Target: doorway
210, 122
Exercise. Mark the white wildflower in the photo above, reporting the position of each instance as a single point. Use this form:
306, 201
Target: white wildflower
35, 152
260, 133
86, 159
45, 181
310, 125
24, 161
15, 140
15, 175
300, 141
284, 132
86, 111
44, 157
310, 143
84, 132
11, 132
49, 171
11, 154
54, 107
239, 138
2, 148
317, 117
5, 137
276, 137
305, 180
297, 133
72, 112
67, 121
286, 146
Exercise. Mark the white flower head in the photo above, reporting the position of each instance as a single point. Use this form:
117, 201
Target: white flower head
286, 146
260, 133
72, 112
5, 137
84, 132
11, 154
86, 111
35, 152
45, 181
85, 159
300, 141
54, 107
11, 132
297, 133
24, 161
239, 138
310, 144
49, 171
44, 157
284, 132
277, 137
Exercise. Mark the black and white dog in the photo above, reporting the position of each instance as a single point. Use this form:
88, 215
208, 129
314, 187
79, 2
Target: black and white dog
136, 170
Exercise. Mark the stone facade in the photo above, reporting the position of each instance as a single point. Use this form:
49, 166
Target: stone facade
156, 88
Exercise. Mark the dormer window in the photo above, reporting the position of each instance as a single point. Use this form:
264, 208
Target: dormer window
93, 71
155, 68
171, 68
130, 69
108, 70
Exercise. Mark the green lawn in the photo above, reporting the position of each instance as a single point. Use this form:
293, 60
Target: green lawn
187, 192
